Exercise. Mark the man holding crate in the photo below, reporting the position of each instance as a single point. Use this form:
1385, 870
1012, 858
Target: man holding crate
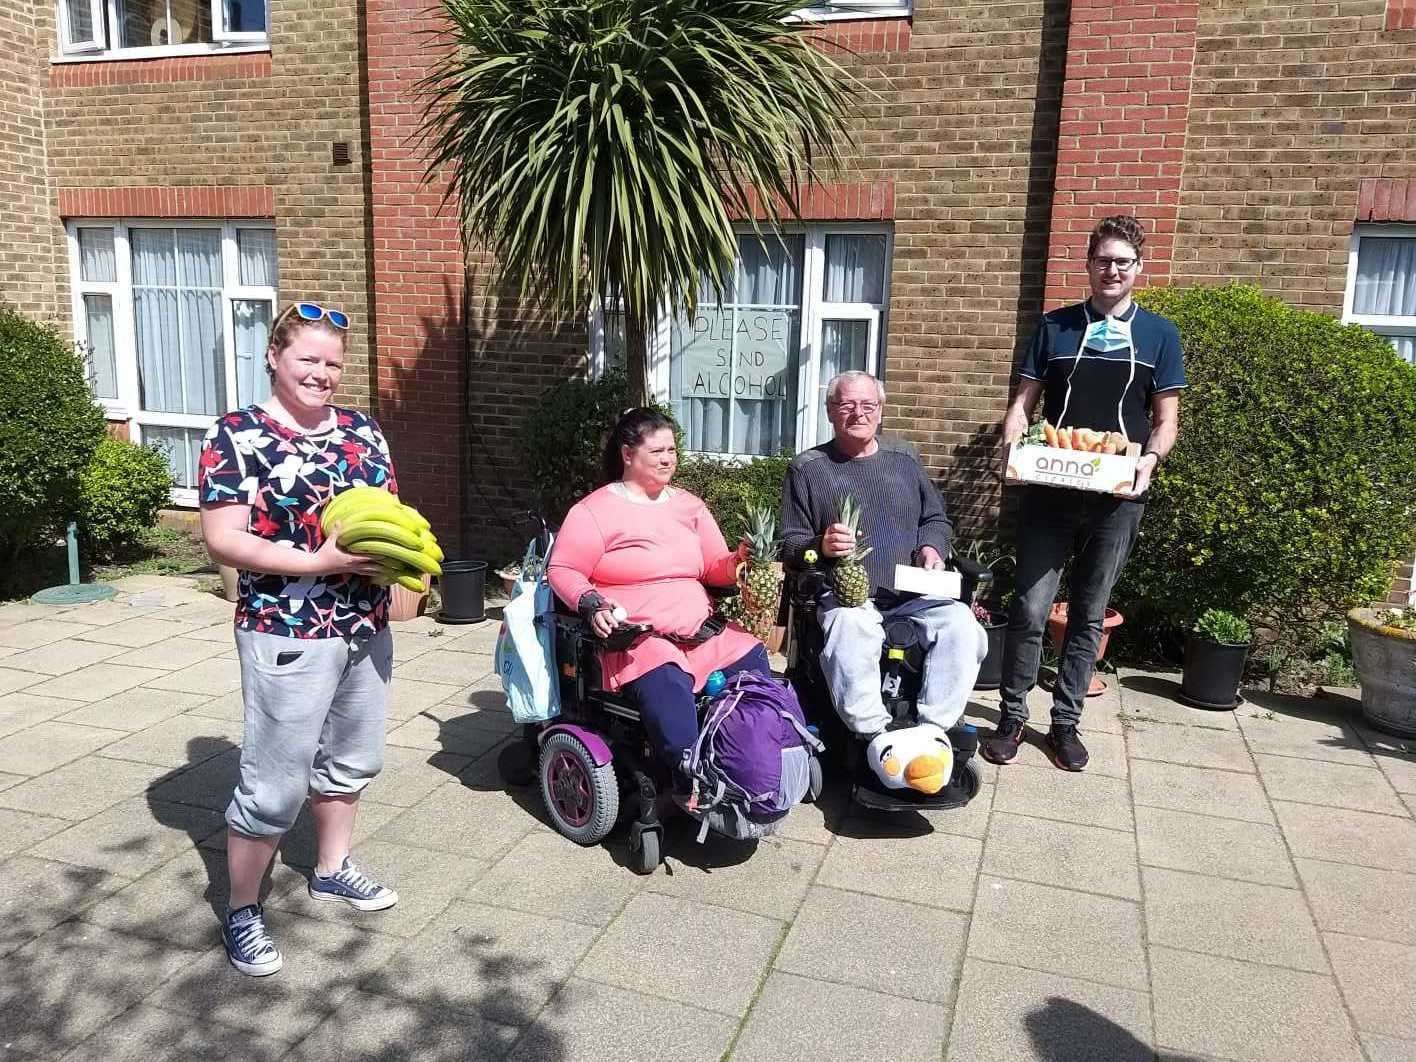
1104, 365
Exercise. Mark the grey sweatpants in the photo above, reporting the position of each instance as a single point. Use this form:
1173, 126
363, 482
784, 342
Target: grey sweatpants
955, 645
315, 711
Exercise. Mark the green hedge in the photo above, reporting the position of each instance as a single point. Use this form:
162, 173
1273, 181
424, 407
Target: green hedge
49, 430
121, 492
727, 489
1292, 489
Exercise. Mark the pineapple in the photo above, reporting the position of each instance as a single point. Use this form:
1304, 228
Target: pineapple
761, 583
848, 578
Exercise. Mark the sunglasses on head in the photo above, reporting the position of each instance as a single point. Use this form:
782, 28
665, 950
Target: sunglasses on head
312, 312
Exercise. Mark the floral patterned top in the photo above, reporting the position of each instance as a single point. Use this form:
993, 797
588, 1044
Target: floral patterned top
286, 477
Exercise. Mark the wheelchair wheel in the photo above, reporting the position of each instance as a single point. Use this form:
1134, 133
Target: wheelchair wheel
581, 797
968, 779
816, 781
645, 849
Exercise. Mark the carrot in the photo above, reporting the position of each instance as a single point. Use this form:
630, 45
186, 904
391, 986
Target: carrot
1064, 438
1077, 441
1050, 433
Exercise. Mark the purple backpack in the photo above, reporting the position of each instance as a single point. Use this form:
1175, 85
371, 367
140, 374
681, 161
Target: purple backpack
752, 760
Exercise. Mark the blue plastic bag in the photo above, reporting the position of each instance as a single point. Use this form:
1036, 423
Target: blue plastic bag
526, 644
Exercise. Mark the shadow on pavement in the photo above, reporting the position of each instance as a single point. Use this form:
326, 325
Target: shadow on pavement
1062, 1030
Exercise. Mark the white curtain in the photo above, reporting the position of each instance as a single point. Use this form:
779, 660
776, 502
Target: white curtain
256, 251
855, 269
845, 345
182, 446
103, 367
96, 256
1386, 277
253, 320
177, 318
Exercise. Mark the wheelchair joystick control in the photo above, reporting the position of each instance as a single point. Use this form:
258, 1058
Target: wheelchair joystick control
619, 614
714, 686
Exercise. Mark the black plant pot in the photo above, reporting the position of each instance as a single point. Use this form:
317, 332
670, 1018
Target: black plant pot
990, 674
1213, 671
463, 588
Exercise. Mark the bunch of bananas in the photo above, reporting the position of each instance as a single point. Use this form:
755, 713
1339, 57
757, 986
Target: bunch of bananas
374, 523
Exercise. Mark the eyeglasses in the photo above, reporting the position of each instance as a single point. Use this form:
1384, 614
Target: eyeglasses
849, 408
312, 312
1123, 265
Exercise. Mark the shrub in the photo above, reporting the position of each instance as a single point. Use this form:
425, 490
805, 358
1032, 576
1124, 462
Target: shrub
121, 490
49, 429
1292, 489
729, 488
565, 438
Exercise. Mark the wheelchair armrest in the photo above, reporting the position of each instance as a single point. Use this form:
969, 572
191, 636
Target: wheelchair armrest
971, 570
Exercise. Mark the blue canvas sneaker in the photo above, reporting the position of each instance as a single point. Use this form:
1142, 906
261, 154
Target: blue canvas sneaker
349, 885
248, 945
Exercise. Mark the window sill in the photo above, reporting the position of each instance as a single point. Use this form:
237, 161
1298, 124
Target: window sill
864, 14
175, 51
166, 68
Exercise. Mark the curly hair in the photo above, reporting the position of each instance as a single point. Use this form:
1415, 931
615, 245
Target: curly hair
1117, 227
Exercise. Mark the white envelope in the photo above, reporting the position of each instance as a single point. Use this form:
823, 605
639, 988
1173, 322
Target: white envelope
943, 584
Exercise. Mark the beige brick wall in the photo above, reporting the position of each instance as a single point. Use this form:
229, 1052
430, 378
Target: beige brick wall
1292, 105
27, 266
173, 124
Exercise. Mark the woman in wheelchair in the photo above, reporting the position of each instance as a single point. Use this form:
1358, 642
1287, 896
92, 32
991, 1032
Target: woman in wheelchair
633, 558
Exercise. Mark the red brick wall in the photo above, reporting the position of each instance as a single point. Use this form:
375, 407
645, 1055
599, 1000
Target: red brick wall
1122, 136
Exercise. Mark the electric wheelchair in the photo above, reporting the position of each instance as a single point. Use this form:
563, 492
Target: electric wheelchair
901, 671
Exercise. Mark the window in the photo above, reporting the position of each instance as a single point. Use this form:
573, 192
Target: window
174, 319
1381, 284
856, 9
747, 375
140, 28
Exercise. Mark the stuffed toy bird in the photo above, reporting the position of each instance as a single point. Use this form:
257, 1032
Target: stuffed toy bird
918, 757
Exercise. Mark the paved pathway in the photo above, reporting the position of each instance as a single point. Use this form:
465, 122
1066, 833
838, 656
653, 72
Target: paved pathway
1216, 886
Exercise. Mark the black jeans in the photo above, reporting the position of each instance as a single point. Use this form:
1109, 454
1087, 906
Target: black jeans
1094, 531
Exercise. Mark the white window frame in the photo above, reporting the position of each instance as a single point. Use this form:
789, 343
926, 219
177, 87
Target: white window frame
854, 10
814, 312
1382, 324
105, 14
128, 405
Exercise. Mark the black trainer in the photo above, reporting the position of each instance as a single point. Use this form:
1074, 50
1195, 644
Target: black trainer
1066, 748
1001, 746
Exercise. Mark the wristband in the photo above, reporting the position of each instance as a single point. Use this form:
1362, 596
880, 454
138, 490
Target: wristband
1151, 453
590, 603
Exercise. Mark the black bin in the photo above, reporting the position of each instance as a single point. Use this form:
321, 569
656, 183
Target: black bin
463, 586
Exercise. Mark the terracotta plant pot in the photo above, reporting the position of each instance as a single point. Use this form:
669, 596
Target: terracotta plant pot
1057, 631
405, 604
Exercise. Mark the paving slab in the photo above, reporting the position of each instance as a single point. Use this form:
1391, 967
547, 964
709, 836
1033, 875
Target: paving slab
931, 868
13, 612
21, 710
482, 824
1388, 1048
1189, 745
589, 1022
79, 789
47, 745
545, 874
95, 683
1223, 794
61, 657
222, 631
1340, 836
456, 733
105, 613
871, 942
1230, 1009
208, 784
20, 830
180, 741
1336, 785
425, 888
12, 679
72, 981
36, 894
229, 706
323, 964
133, 710
298, 847
767, 878
1361, 901
1108, 751
1064, 854
1151, 697
798, 1018
131, 838
1047, 793
499, 963
214, 677
971, 820
1227, 848
8, 780
445, 666
172, 654
367, 1026
151, 1034
1378, 980
138, 631
408, 696
409, 775
1237, 919
656, 938
1310, 739
36, 632
1009, 1014
818, 823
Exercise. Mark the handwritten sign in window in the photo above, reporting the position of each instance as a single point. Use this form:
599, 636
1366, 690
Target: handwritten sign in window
743, 354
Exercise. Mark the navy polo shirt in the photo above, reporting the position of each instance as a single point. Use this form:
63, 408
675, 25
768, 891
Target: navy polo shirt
1103, 378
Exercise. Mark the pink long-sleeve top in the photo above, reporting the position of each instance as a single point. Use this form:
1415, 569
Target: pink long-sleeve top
653, 559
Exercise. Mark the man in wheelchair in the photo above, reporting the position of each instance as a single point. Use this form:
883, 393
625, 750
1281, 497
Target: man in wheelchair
909, 758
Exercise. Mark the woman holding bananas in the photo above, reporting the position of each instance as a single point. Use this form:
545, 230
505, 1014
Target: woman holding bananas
311, 618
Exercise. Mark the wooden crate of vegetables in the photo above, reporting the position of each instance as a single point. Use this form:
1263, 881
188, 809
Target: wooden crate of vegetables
1079, 458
